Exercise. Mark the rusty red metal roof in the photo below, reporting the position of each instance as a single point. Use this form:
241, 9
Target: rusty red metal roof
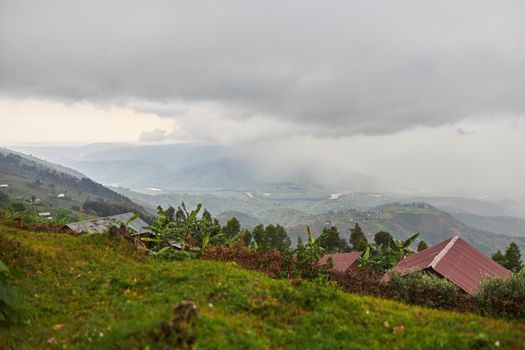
342, 261
455, 260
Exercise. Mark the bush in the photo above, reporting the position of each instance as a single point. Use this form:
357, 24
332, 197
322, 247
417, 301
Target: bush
499, 297
363, 281
272, 263
170, 254
7, 294
428, 290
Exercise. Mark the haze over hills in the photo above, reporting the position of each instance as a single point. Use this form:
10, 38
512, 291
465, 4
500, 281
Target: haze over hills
229, 183
212, 168
196, 167
512, 226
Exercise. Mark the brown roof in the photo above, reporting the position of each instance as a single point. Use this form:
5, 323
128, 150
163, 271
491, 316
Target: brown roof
342, 261
455, 260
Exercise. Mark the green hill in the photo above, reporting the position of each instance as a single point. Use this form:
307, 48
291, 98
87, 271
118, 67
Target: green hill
506, 225
59, 190
403, 220
94, 292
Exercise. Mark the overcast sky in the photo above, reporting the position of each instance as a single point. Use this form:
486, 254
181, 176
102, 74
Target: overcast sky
430, 94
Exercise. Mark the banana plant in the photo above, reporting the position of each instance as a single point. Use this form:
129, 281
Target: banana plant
164, 230
190, 226
385, 257
309, 252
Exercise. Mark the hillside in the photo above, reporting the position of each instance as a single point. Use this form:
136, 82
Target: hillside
452, 204
318, 211
100, 293
506, 225
403, 220
57, 189
282, 197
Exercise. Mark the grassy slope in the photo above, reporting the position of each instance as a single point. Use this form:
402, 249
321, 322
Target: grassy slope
107, 296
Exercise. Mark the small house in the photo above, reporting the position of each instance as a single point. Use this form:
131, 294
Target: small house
61, 195
99, 225
455, 260
341, 261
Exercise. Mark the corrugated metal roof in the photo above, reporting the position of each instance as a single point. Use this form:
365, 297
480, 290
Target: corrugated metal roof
342, 261
99, 225
455, 260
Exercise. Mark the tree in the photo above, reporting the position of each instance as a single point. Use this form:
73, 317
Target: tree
212, 224
263, 241
170, 212
513, 257
499, 258
358, 238
331, 242
233, 227
180, 216
300, 243
273, 237
246, 237
422, 245
383, 239
279, 238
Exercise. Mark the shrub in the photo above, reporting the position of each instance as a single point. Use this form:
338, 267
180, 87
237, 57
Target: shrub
271, 263
7, 294
169, 253
499, 297
364, 281
428, 290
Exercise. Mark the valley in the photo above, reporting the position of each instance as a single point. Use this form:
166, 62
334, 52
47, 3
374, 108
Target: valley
230, 185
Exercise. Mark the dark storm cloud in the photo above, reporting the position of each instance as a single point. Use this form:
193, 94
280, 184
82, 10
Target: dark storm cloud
340, 67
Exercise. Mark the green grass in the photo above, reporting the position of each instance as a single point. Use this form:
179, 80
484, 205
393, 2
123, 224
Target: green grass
102, 294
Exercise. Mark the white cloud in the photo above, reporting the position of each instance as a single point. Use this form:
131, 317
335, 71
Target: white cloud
153, 136
40, 121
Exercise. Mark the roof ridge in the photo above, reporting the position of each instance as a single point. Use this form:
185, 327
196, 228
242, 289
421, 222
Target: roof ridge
443, 252
101, 218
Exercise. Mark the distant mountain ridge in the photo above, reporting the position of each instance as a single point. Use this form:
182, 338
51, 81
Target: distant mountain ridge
506, 225
192, 167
